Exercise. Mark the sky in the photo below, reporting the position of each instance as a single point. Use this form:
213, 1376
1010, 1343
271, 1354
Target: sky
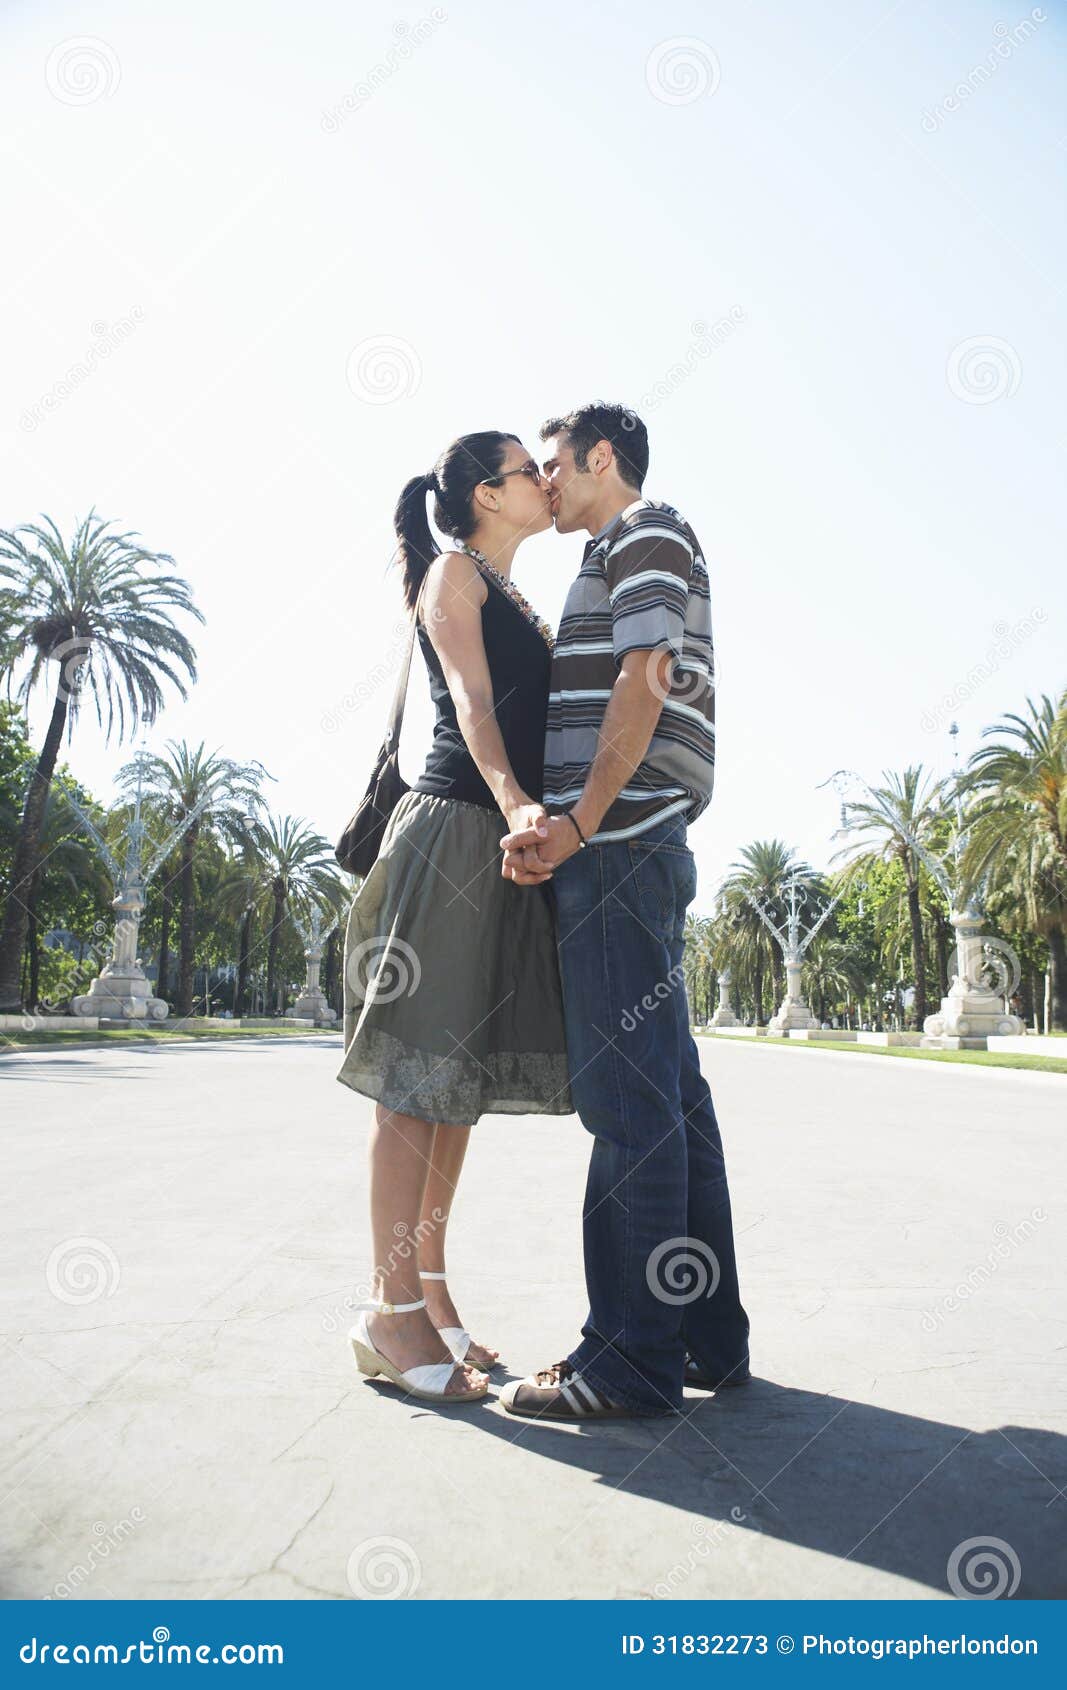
264, 262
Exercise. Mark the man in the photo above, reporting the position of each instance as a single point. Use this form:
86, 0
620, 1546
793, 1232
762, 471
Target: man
629, 761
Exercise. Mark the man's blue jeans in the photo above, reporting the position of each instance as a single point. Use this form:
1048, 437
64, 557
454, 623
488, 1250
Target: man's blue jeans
659, 1248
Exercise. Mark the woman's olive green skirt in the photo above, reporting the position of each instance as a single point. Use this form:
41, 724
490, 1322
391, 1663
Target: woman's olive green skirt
452, 997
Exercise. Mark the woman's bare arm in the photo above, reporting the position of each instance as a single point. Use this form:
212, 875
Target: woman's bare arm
452, 614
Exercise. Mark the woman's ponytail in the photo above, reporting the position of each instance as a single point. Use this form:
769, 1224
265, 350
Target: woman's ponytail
416, 546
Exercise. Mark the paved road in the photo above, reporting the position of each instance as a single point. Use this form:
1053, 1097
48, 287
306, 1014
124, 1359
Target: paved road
195, 1427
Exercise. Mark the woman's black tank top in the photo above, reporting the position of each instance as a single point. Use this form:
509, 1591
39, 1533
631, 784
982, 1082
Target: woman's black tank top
520, 664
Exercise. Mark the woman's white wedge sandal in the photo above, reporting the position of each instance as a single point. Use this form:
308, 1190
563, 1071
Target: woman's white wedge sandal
430, 1381
458, 1338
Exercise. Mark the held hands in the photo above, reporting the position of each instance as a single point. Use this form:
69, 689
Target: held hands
531, 853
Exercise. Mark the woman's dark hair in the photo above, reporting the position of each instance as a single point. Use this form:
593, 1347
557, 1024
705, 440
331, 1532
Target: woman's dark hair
470, 459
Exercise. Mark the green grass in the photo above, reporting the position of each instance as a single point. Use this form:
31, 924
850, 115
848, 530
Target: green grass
87, 1037
978, 1058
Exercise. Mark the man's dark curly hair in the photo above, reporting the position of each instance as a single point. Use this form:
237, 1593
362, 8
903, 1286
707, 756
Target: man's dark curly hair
617, 424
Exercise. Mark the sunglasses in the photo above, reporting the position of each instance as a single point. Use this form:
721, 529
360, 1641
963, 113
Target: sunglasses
529, 468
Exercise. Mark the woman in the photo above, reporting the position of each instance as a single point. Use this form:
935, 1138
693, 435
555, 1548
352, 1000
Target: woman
453, 1005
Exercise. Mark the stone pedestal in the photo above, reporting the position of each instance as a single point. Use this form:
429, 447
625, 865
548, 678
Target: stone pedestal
311, 1004
974, 1010
121, 991
724, 1015
794, 1012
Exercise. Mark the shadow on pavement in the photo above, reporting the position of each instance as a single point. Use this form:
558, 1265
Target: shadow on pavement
852, 1481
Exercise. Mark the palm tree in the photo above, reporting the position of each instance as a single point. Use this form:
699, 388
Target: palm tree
302, 870
698, 964
747, 947
102, 610
1017, 826
66, 867
832, 974
175, 785
907, 807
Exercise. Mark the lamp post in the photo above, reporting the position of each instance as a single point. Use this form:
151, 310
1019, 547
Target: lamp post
121, 991
312, 1004
793, 1012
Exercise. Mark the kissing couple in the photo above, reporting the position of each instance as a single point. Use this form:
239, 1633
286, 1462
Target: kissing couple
516, 948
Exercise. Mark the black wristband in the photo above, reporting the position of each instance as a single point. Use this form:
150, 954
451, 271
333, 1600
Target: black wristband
574, 821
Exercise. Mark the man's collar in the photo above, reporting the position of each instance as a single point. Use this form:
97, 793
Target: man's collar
612, 520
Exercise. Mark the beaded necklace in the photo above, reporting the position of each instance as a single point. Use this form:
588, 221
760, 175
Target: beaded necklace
506, 586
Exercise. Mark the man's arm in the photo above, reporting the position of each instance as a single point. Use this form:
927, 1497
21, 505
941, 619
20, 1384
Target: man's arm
625, 735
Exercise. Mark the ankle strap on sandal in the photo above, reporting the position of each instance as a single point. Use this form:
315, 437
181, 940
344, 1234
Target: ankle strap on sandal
393, 1308
433, 1276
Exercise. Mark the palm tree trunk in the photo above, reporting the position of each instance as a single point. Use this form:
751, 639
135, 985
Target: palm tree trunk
13, 936
1057, 952
166, 906
187, 921
275, 936
757, 990
33, 944
331, 971
1036, 987
918, 957
942, 931
244, 960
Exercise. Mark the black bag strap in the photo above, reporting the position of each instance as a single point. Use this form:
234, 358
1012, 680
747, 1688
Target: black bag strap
396, 710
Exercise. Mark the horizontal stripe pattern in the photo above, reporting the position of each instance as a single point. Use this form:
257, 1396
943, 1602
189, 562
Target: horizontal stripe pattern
642, 586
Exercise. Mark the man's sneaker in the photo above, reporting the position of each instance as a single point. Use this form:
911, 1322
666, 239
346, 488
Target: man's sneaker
560, 1393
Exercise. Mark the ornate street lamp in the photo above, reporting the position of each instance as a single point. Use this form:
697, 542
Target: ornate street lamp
122, 991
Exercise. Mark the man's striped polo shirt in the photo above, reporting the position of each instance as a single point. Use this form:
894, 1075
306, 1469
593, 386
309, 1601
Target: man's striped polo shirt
643, 585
